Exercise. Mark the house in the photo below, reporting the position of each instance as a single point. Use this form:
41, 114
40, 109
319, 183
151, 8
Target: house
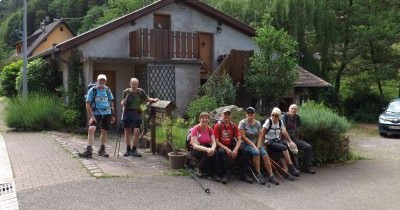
169, 46
45, 38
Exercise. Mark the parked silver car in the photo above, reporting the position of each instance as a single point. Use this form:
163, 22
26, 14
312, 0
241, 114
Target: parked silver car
389, 120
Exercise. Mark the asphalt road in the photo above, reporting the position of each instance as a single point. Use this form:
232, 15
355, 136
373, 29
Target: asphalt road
365, 184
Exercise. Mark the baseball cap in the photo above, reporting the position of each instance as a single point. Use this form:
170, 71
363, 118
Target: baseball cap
250, 110
225, 111
101, 76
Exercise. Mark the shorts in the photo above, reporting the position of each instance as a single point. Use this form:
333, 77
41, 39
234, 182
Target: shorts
132, 119
102, 121
249, 149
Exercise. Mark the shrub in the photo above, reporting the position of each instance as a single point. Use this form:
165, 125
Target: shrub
36, 112
364, 106
324, 129
174, 131
72, 118
221, 88
41, 77
8, 77
202, 104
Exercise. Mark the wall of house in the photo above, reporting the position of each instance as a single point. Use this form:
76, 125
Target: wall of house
55, 37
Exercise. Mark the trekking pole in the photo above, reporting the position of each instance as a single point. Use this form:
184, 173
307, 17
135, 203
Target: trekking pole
194, 176
255, 176
119, 134
277, 166
277, 171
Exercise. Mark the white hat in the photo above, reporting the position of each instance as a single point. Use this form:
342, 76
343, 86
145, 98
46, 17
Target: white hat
101, 76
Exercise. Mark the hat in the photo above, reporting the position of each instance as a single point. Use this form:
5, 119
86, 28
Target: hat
250, 110
101, 76
293, 149
204, 114
225, 111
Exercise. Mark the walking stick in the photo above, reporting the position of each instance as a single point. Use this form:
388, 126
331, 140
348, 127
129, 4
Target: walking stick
194, 176
120, 128
255, 176
277, 166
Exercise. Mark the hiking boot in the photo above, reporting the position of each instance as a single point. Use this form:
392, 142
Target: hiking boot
293, 170
260, 179
273, 180
87, 153
246, 178
289, 177
102, 151
308, 170
136, 153
224, 179
216, 178
127, 153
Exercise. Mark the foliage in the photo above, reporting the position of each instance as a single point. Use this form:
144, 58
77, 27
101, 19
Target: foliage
8, 77
37, 112
272, 71
203, 104
325, 130
41, 77
76, 90
364, 106
175, 132
226, 93
71, 118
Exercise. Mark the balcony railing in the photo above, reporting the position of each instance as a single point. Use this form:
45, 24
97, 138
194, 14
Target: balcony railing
160, 43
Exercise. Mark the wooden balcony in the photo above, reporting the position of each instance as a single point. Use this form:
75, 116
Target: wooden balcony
164, 44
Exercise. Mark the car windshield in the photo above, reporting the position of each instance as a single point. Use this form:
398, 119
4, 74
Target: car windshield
394, 107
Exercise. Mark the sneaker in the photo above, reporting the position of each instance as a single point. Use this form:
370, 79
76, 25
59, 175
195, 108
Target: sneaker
260, 179
102, 152
273, 180
136, 154
293, 170
216, 178
87, 153
308, 170
127, 153
289, 177
224, 179
246, 178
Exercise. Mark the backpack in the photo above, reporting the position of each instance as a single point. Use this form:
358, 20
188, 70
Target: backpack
94, 86
220, 128
270, 125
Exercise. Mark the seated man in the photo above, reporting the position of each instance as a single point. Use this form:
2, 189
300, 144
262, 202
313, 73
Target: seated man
228, 141
292, 122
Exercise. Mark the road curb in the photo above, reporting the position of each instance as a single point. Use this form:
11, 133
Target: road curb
8, 192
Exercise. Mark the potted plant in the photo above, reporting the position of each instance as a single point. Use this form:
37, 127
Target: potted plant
170, 128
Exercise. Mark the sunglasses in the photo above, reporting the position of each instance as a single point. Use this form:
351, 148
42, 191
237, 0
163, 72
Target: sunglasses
275, 115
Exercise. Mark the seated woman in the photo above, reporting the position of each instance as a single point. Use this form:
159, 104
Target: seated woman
270, 134
204, 145
249, 130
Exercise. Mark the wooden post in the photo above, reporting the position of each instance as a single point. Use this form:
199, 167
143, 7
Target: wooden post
153, 130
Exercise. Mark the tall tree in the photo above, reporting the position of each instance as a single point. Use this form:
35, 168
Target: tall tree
272, 70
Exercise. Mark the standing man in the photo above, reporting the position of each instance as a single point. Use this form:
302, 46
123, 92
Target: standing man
100, 109
292, 122
132, 100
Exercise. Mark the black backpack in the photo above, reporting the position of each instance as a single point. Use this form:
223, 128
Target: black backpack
270, 125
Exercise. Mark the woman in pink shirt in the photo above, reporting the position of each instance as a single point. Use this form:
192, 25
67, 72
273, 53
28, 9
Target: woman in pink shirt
204, 145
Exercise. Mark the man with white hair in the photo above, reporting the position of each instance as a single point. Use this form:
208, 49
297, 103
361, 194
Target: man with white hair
292, 122
100, 109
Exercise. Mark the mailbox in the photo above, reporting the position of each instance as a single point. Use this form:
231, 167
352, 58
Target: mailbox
158, 110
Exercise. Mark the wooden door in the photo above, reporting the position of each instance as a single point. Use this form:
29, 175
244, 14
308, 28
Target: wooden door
111, 83
206, 52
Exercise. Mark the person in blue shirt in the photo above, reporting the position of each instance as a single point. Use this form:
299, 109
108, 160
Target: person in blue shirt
100, 110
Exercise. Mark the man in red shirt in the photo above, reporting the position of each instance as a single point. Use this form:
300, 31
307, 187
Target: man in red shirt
228, 141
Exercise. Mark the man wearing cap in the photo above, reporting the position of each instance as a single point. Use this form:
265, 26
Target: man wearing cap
228, 141
100, 110
292, 122
132, 100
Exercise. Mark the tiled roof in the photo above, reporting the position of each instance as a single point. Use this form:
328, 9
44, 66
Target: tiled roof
131, 17
307, 79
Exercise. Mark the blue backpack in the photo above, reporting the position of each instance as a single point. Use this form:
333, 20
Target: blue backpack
94, 86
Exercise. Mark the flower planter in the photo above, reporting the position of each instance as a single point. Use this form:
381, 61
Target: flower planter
177, 161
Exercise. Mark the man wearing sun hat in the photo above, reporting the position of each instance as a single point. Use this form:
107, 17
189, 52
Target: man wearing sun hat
100, 110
